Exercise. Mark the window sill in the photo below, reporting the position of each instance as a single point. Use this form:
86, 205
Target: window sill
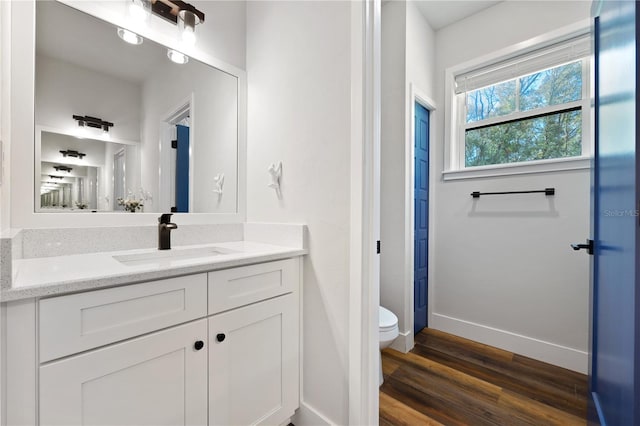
542, 166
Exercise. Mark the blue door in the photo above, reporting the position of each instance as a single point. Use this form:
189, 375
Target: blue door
615, 375
182, 169
421, 218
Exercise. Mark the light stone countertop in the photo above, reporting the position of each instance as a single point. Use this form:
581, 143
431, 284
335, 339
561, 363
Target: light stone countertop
49, 276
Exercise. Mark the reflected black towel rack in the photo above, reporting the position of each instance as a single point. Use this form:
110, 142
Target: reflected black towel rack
546, 191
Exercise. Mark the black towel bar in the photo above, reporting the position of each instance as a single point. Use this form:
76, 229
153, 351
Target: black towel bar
546, 191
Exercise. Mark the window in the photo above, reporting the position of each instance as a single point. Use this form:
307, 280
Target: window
530, 108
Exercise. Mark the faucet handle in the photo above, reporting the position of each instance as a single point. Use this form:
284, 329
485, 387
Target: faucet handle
165, 218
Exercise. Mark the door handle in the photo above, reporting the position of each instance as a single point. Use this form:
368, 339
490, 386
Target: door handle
588, 246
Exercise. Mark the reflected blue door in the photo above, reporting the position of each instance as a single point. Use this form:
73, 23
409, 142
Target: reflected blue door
615, 375
182, 169
421, 217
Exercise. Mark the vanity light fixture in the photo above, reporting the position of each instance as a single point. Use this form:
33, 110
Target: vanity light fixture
129, 37
183, 14
63, 169
96, 123
56, 177
72, 153
177, 57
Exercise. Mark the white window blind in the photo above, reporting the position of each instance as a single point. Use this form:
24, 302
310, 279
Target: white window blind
537, 60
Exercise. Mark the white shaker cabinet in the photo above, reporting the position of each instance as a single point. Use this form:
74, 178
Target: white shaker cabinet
158, 379
218, 348
253, 364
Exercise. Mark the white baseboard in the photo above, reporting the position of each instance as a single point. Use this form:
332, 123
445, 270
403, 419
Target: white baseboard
404, 342
551, 353
306, 415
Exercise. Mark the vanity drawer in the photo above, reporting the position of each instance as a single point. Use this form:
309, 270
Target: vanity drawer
231, 288
75, 323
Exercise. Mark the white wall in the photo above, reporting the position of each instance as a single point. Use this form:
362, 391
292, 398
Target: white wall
5, 20
214, 127
420, 51
223, 33
298, 65
4, 192
408, 56
504, 272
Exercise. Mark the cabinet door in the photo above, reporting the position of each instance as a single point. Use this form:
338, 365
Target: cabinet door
158, 379
253, 363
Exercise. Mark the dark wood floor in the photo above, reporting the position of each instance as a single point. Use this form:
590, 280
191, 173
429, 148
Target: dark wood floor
453, 381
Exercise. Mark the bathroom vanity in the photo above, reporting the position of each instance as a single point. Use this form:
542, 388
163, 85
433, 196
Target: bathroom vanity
215, 343
98, 327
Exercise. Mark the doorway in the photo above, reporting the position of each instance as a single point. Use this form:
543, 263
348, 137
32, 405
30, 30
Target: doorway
119, 179
181, 169
421, 217
176, 160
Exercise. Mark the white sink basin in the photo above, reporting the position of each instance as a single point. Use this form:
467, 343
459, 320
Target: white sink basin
165, 256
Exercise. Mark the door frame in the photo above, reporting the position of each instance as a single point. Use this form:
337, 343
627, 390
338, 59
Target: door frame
184, 108
416, 94
121, 153
364, 262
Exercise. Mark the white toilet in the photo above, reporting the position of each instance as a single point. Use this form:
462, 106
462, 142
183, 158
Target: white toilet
388, 331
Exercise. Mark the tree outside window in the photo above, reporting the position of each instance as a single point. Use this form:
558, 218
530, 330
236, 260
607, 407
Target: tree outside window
533, 117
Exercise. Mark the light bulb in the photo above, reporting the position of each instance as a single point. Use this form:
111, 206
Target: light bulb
189, 36
140, 10
177, 57
129, 37
81, 131
187, 22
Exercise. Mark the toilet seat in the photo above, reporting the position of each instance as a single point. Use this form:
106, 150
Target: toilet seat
387, 319
388, 327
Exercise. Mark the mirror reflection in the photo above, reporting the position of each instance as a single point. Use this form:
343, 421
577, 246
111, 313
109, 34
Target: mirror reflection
84, 174
157, 133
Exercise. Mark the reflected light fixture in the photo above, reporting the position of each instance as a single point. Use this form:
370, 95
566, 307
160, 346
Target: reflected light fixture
95, 122
177, 57
63, 169
72, 153
129, 37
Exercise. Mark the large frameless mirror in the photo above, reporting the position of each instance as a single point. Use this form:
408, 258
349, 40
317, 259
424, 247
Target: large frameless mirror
123, 124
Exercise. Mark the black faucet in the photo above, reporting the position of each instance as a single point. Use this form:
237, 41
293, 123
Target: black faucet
164, 231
